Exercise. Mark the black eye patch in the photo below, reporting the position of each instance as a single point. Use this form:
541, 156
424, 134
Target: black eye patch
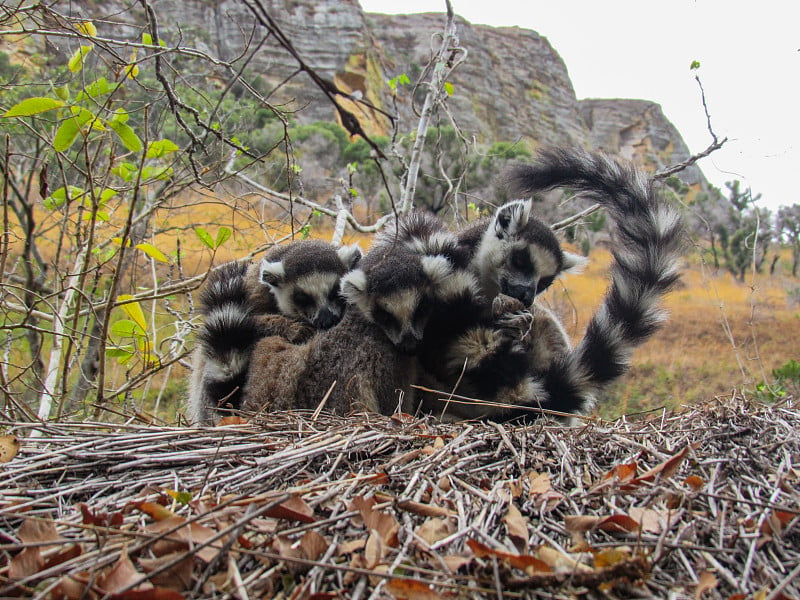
521, 260
302, 300
544, 283
384, 318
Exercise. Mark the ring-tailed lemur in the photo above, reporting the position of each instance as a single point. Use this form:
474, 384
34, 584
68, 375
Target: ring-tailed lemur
371, 353
646, 253
291, 293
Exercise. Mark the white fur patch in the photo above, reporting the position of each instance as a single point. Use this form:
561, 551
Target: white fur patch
350, 255
354, 288
437, 268
271, 273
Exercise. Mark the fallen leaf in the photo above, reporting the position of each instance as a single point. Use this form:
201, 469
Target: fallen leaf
610, 557
313, 544
649, 519
293, 509
517, 527
455, 563
434, 530
539, 483
154, 510
26, 563
100, 519
232, 420
562, 562
694, 482
663, 470
189, 536
618, 524
524, 562
9, 447
623, 473
178, 577
706, 583
36, 531
149, 594
411, 589
375, 550
120, 576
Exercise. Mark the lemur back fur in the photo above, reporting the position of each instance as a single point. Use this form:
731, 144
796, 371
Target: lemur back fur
291, 293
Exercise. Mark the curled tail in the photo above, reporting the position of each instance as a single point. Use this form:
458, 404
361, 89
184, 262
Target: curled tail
646, 252
224, 343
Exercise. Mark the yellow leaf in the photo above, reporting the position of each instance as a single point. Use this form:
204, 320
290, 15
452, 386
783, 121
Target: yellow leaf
9, 446
87, 28
152, 252
133, 310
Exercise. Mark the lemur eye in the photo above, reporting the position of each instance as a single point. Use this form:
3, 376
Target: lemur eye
423, 311
302, 300
544, 283
521, 260
384, 318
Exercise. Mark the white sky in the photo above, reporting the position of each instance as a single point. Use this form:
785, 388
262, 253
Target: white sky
749, 53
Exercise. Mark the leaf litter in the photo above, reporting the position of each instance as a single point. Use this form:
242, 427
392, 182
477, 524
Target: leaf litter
700, 504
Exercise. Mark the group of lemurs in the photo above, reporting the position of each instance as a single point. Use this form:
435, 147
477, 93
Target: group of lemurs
431, 308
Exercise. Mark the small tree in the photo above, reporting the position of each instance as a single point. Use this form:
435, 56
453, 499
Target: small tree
788, 228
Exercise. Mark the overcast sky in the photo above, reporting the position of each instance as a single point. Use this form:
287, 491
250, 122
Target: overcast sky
749, 54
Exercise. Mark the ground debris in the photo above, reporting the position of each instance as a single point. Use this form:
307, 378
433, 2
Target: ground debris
700, 504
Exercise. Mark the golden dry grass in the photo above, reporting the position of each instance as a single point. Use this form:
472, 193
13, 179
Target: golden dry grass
721, 335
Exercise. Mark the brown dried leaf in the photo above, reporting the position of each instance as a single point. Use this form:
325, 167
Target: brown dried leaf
706, 583
293, 509
695, 482
524, 562
178, 577
539, 483
313, 545
122, 575
648, 518
149, 594
9, 447
618, 524
434, 530
350, 546
375, 550
623, 473
562, 562
189, 536
455, 563
411, 589
234, 420
61, 557
664, 470
26, 563
36, 531
517, 527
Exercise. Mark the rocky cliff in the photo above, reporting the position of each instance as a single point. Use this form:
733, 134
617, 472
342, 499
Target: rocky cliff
513, 85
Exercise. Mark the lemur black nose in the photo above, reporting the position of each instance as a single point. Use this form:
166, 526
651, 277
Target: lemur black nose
523, 293
408, 343
326, 318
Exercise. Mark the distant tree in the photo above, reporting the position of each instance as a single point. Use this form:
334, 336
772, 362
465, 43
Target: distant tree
788, 228
745, 242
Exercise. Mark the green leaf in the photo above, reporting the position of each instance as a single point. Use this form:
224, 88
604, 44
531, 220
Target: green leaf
105, 195
125, 328
133, 309
448, 87
152, 252
695, 65
33, 106
126, 134
75, 63
179, 497
61, 195
223, 235
98, 87
125, 171
120, 116
69, 129
100, 215
148, 40
204, 237
119, 351
161, 148
62, 92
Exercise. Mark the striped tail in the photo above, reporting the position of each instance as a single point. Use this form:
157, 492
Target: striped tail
646, 254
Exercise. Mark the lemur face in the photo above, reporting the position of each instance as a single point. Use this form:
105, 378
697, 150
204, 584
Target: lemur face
304, 279
520, 256
396, 291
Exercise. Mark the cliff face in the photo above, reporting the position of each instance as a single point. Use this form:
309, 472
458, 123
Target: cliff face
513, 86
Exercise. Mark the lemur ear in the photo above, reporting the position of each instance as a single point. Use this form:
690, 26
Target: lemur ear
511, 218
272, 273
574, 263
350, 256
353, 287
